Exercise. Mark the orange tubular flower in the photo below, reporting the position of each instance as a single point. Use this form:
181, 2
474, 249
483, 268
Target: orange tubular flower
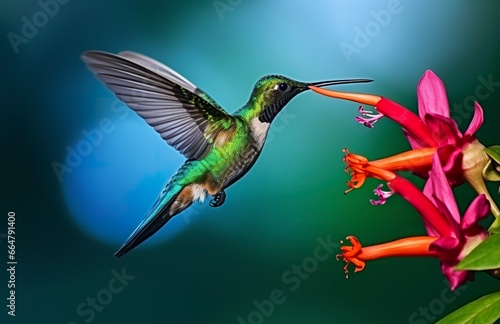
417, 161
361, 168
411, 246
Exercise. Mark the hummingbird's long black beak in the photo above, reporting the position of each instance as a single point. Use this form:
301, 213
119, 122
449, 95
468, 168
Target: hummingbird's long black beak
335, 82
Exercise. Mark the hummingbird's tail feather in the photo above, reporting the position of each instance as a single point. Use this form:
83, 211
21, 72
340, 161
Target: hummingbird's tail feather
162, 211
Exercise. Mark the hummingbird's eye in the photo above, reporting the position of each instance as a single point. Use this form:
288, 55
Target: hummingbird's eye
283, 86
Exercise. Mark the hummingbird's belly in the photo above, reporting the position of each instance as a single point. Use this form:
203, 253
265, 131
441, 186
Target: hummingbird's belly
243, 162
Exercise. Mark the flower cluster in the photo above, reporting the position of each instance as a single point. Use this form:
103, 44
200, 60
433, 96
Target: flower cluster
443, 156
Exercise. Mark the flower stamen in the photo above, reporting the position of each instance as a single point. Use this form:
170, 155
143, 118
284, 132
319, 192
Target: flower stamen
360, 168
383, 195
371, 120
348, 255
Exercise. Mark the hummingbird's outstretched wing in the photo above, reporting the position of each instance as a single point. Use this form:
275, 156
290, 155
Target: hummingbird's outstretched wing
180, 112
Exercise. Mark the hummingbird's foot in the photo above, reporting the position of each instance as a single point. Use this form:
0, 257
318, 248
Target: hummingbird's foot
218, 199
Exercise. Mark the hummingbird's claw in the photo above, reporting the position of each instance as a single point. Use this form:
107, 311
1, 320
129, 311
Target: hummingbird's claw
218, 199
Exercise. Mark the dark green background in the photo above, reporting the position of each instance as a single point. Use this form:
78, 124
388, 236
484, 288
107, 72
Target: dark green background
226, 258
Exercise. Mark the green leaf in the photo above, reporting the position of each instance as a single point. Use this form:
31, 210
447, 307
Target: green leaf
494, 152
495, 227
484, 257
484, 310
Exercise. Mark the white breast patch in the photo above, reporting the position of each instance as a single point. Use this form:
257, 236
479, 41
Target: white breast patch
259, 131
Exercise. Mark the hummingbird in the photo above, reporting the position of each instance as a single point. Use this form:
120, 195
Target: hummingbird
219, 147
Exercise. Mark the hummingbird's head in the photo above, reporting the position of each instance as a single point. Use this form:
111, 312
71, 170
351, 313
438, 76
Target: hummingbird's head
271, 93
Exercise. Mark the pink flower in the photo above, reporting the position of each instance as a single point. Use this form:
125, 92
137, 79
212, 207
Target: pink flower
467, 233
433, 109
450, 238
462, 155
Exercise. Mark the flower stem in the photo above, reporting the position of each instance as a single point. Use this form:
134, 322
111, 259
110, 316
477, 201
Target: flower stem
478, 184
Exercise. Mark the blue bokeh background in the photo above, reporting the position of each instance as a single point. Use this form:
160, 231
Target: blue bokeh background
213, 265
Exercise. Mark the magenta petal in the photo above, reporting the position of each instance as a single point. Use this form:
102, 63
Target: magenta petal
478, 209
428, 192
477, 120
456, 278
445, 130
451, 161
442, 191
432, 96
415, 143
455, 227
444, 244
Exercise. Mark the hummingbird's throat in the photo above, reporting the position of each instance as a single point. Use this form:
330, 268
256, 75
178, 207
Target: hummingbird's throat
267, 116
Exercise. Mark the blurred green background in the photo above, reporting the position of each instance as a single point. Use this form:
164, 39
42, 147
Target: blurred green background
220, 265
